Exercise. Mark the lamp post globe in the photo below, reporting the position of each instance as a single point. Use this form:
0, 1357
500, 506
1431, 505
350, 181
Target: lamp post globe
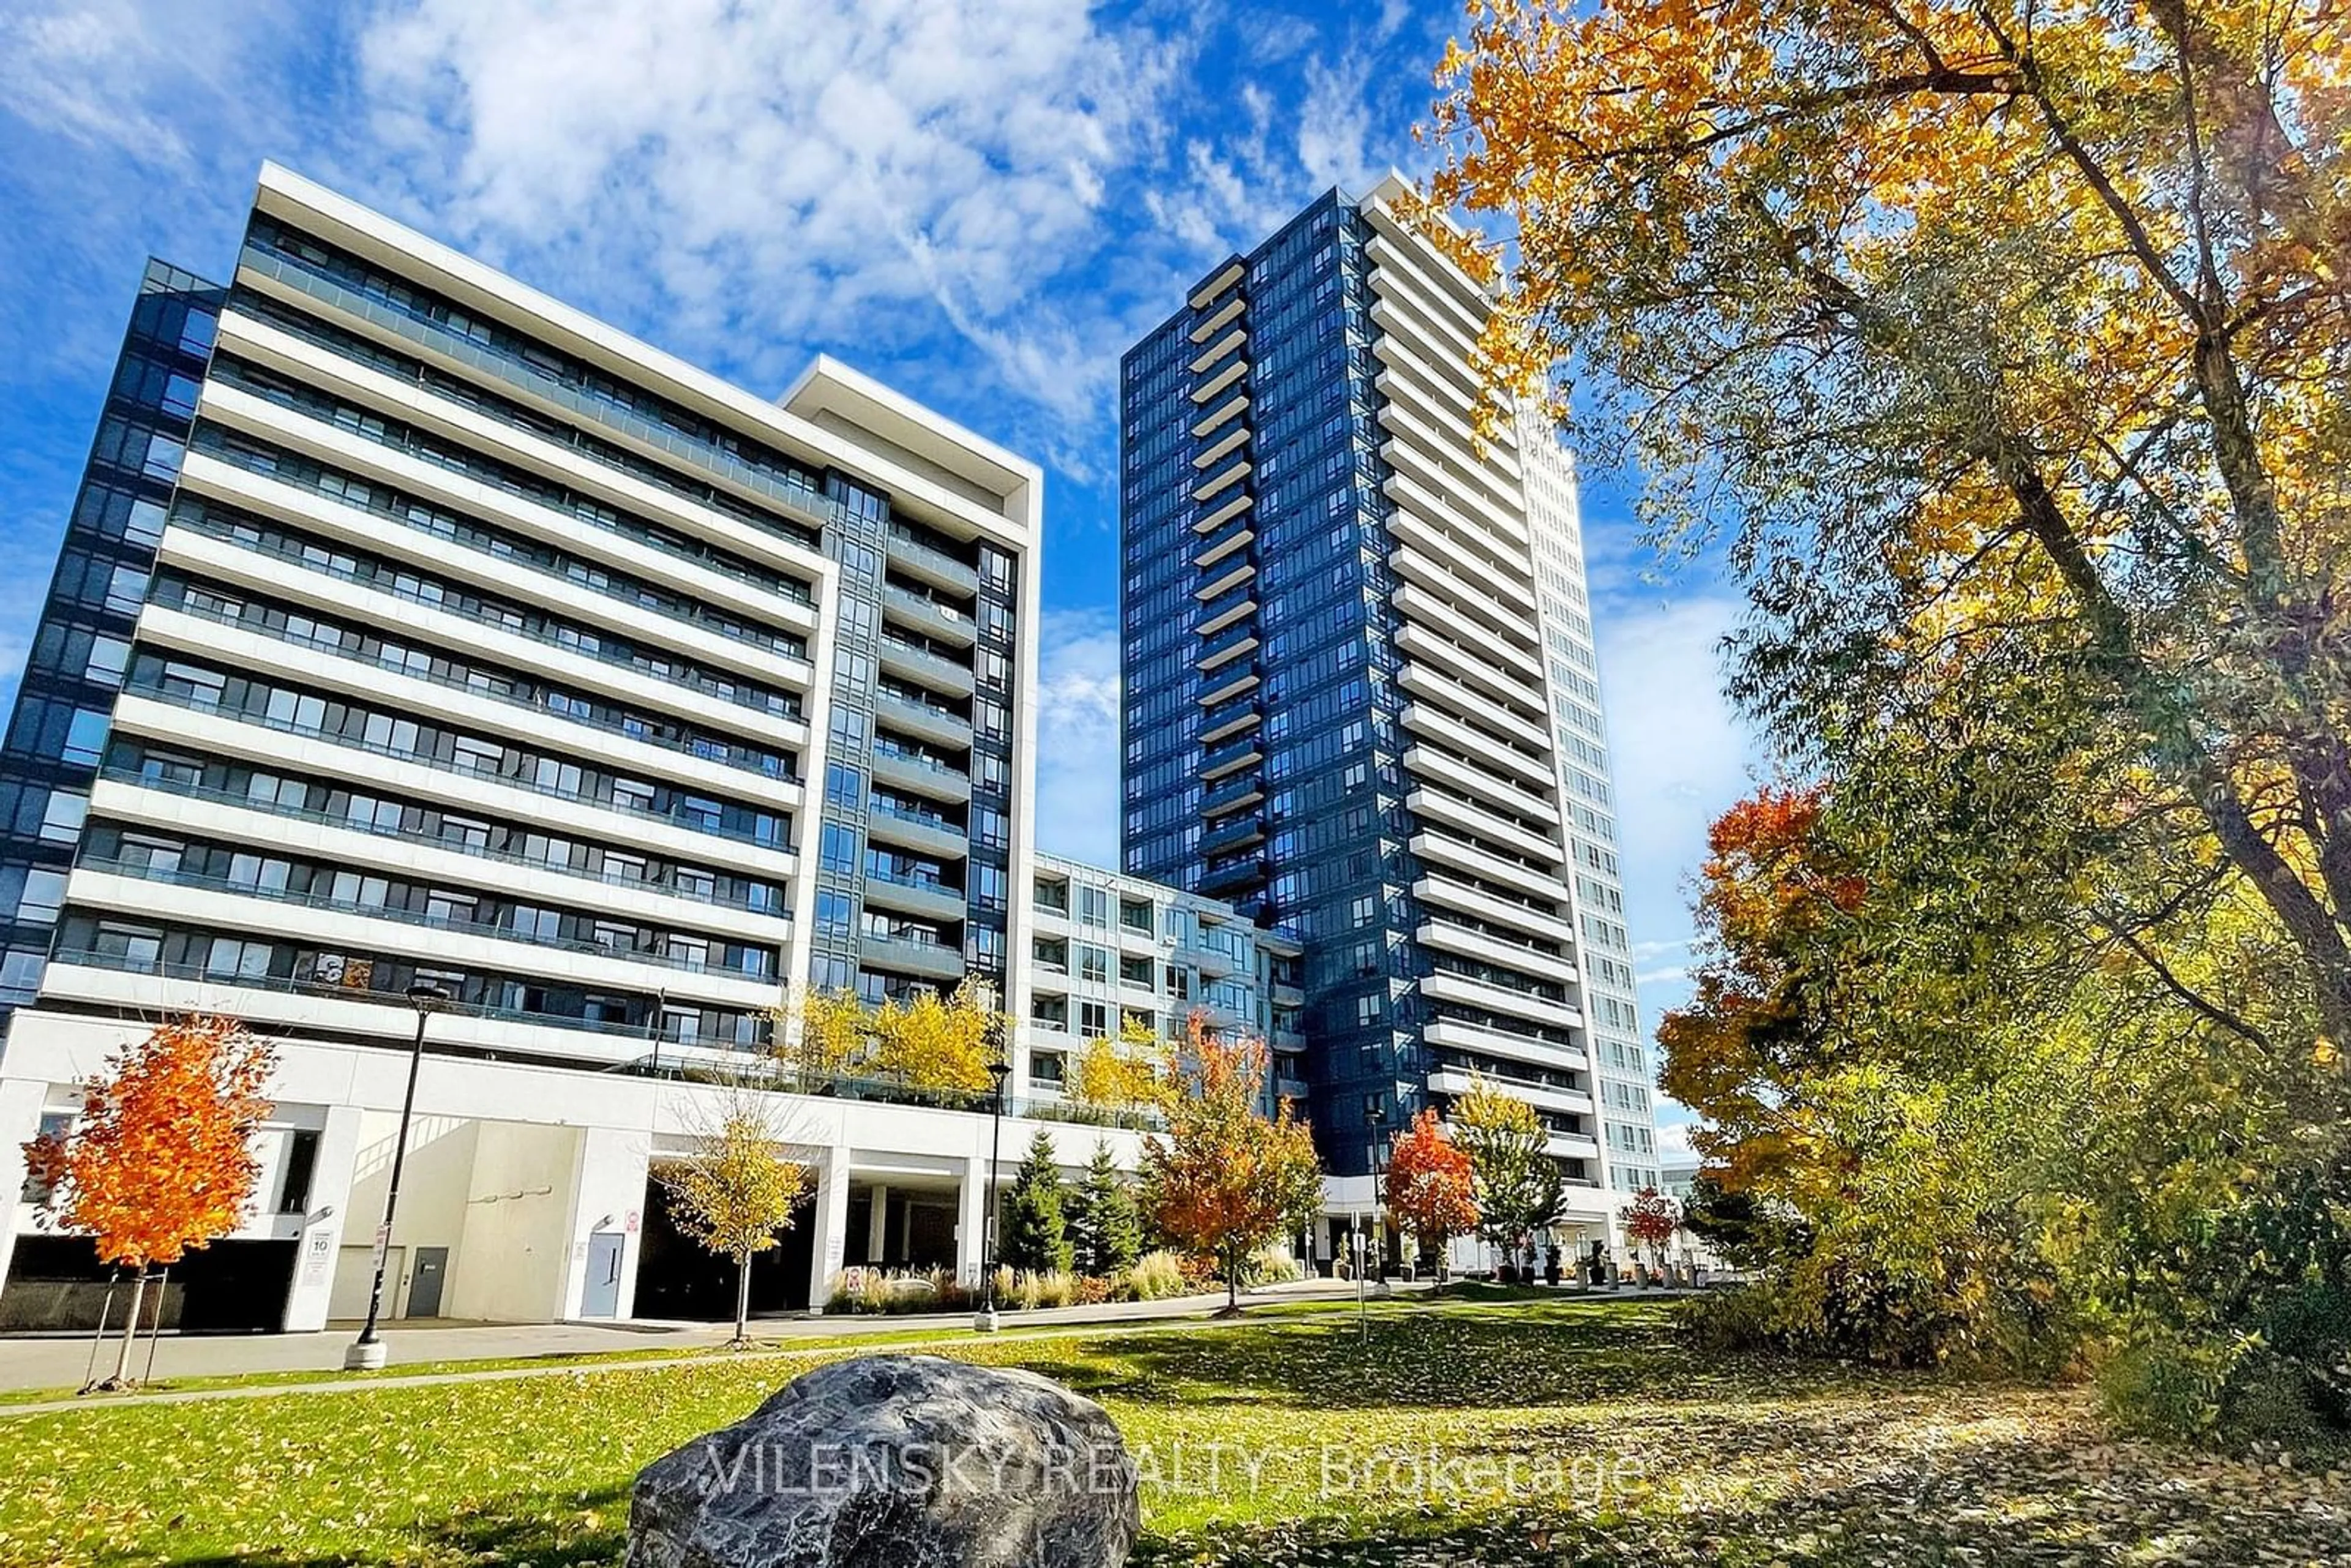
367, 1353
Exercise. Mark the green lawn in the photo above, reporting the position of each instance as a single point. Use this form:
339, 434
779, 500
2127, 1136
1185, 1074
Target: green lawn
1287, 1441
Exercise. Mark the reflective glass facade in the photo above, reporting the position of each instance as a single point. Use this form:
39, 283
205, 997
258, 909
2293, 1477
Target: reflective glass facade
81, 650
1355, 706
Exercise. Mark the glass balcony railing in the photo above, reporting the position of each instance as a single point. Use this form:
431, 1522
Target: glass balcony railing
920, 557
723, 753
770, 904
210, 976
691, 822
777, 704
762, 960
422, 332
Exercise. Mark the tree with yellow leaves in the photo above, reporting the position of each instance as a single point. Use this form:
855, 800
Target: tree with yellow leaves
940, 1042
734, 1188
1992, 334
1130, 1073
924, 1040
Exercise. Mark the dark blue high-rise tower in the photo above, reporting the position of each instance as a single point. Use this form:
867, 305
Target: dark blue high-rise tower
1361, 700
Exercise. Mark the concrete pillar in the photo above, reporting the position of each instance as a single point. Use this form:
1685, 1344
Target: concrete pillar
877, 1226
608, 1194
21, 1102
831, 1241
329, 1221
970, 1215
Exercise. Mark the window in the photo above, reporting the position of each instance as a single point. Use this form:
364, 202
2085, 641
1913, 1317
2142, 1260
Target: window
1179, 982
1134, 915
1053, 894
1093, 1020
1093, 964
535, 924
1362, 911
1094, 906
443, 907
1052, 1012
45, 891
1052, 954
477, 756
235, 958
62, 817
301, 1165
54, 1125
129, 946
1135, 971
1367, 1010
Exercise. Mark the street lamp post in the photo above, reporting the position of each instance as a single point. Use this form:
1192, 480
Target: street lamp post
999, 1067
367, 1354
1377, 1117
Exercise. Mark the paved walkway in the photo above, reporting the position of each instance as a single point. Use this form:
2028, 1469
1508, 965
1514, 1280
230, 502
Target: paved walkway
48, 1363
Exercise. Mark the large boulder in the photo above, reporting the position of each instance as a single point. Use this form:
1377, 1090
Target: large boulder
896, 1461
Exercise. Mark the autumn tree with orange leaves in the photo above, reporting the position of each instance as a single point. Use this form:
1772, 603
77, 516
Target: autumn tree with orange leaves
1226, 1179
1774, 897
1431, 1189
159, 1162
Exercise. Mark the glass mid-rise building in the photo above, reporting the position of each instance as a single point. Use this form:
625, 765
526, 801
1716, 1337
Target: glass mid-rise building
416, 636
1361, 697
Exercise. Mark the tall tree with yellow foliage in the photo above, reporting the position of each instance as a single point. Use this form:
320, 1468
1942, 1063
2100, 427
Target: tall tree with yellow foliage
1987, 332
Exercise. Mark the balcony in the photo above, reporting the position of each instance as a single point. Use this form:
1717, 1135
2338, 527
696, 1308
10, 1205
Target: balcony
1224, 545
1226, 613
1233, 837
931, 960
927, 834
1230, 342
909, 663
1224, 277
925, 564
1440, 931
1232, 407
1542, 1096
1233, 795
927, 900
1219, 318
932, 722
1229, 685
1231, 645
928, 616
1447, 891
1451, 1034
1208, 522
905, 770
1220, 448
1503, 1001
1219, 880
1220, 724
1207, 391
1226, 760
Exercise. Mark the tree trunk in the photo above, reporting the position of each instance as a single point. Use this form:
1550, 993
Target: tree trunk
742, 1296
122, 1378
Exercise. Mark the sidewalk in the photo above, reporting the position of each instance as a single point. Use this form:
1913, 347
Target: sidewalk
45, 1364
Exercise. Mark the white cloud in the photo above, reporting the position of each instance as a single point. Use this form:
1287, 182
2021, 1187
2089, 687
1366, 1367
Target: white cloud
153, 81
1680, 755
1077, 735
850, 175
1334, 126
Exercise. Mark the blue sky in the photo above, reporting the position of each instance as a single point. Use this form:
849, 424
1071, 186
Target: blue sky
982, 204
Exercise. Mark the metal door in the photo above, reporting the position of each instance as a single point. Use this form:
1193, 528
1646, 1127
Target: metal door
424, 1289
601, 1297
